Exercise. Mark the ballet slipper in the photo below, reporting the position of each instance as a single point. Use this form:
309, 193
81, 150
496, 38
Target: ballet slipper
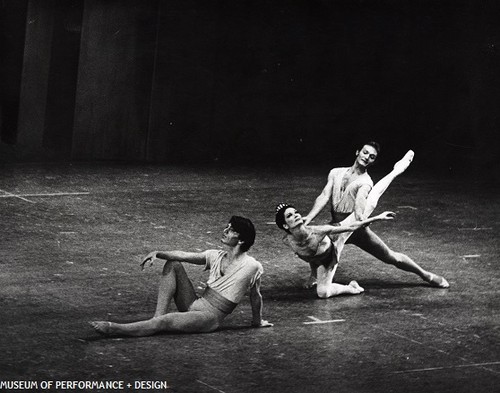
437, 281
403, 164
356, 286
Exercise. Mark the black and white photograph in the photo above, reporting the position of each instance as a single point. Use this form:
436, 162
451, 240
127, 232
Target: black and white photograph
250, 196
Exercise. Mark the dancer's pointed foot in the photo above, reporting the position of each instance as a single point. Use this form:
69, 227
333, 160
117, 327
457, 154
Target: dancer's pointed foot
437, 281
356, 286
102, 327
403, 164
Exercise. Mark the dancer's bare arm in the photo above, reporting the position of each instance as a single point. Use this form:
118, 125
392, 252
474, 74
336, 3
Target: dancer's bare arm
323, 230
321, 201
334, 229
256, 302
385, 216
196, 258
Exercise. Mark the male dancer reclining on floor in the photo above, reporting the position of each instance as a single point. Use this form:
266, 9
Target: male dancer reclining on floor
324, 264
232, 273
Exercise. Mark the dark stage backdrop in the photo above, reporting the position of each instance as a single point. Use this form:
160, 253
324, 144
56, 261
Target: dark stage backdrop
250, 81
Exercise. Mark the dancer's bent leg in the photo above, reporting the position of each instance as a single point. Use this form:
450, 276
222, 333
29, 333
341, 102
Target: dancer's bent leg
174, 283
326, 288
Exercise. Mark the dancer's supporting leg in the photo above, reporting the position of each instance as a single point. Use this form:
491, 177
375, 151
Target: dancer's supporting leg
368, 241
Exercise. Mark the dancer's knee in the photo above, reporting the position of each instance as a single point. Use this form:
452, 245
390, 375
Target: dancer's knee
162, 323
191, 322
172, 266
151, 326
323, 291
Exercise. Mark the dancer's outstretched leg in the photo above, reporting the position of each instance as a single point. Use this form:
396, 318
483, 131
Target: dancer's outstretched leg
184, 322
373, 198
371, 243
382, 185
368, 241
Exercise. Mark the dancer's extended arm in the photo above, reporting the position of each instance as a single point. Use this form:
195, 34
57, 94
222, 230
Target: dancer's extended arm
332, 229
197, 258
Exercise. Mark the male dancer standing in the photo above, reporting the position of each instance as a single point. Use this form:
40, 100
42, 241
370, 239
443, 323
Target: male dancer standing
347, 190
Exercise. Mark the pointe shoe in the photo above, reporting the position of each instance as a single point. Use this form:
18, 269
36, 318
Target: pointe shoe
356, 286
405, 162
438, 281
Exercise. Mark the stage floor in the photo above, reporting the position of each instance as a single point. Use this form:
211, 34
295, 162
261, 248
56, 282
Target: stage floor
73, 237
